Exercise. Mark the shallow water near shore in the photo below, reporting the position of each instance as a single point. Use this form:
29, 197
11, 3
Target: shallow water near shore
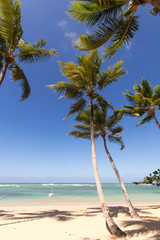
26, 193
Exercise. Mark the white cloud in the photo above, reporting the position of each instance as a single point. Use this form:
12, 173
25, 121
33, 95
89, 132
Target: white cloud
71, 35
62, 23
128, 46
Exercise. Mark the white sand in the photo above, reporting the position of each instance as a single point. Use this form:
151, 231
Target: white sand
44, 222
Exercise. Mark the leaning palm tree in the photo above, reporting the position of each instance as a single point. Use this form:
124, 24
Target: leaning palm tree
13, 47
115, 20
144, 102
85, 79
106, 127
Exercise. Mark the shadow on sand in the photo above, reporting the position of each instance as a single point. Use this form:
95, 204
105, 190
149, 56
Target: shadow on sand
147, 223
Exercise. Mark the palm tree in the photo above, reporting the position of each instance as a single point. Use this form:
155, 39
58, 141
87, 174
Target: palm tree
12, 45
115, 20
85, 79
144, 102
106, 127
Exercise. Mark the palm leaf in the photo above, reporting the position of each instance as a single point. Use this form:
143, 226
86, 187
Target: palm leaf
104, 32
125, 32
69, 90
75, 73
78, 106
6, 22
19, 76
147, 119
117, 140
32, 53
117, 130
79, 134
155, 11
17, 28
112, 75
93, 12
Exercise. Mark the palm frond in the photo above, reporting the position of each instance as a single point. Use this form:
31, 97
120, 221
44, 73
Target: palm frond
19, 76
124, 34
69, 90
84, 117
93, 12
32, 53
112, 75
113, 120
147, 119
82, 127
79, 134
117, 130
75, 73
130, 97
117, 140
156, 93
101, 101
100, 36
17, 28
78, 106
6, 22
155, 11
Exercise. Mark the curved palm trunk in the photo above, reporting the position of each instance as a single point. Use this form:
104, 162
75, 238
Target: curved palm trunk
3, 72
110, 224
132, 211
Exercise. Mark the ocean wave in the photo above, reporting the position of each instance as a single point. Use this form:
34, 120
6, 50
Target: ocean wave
48, 184
76, 184
9, 185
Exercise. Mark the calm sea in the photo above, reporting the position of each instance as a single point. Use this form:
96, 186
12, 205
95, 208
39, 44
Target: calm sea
26, 193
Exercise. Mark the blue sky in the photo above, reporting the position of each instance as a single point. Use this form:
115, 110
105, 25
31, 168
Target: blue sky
33, 143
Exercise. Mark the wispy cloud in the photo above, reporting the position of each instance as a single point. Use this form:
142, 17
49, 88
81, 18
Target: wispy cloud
62, 23
71, 35
128, 46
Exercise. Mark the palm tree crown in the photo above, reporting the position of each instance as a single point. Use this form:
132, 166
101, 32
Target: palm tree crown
145, 101
104, 125
85, 79
115, 20
12, 45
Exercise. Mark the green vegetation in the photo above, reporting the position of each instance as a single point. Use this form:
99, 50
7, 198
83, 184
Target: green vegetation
106, 127
85, 80
12, 45
115, 20
153, 179
144, 102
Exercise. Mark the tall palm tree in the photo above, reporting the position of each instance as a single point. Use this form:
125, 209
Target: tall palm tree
13, 47
85, 79
144, 102
106, 127
115, 20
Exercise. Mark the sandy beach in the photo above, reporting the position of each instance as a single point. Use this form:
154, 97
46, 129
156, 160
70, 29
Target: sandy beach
75, 222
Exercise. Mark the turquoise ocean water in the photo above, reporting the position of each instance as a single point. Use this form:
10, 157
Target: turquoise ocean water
83, 193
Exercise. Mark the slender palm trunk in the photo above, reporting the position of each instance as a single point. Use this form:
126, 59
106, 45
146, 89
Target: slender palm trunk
132, 211
3, 72
155, 3
156, 121
110, 224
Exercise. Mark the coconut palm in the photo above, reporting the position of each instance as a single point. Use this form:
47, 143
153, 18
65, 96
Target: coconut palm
13, 47
106, 127
85, 79
115, 20
144, 102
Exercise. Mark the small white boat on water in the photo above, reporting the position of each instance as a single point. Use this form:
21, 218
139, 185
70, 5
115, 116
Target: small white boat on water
51, 194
